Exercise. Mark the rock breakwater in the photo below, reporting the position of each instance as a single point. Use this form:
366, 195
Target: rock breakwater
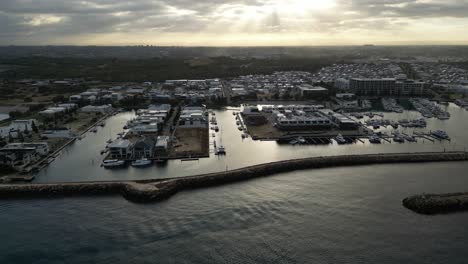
431, 204
159, 189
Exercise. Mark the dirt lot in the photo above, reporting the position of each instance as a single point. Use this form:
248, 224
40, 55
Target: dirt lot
191, 141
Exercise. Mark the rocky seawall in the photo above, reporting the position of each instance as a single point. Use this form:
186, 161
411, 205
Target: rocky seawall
159, 189
431, 204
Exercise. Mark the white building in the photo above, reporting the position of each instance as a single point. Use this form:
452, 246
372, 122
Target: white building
193, 117
162, 143
52, 111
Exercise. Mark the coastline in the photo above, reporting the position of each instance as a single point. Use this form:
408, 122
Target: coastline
145, 191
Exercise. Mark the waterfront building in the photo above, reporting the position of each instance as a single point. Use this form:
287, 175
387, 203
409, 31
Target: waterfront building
23, 124
300, 120
20, 155
57, 133
343, 122
162, 144
120, 149
144, 148
193, 117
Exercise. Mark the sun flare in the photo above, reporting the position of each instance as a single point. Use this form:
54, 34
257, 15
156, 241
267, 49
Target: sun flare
300, 7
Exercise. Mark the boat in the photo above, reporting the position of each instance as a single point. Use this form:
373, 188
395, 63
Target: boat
141, 162
340, 139
443, 116
440, 134
221, 150
397, 137
298, 140
374, 139
113, 163
410, 138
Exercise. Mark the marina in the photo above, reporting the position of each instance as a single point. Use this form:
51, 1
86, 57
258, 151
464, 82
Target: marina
276, 149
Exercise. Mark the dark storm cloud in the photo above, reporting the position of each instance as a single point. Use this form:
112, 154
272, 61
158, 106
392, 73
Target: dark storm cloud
43, 19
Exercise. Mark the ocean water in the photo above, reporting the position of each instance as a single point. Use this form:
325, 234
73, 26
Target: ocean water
334, 215
338, 215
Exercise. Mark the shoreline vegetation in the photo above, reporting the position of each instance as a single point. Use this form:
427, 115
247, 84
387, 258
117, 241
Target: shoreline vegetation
152, 190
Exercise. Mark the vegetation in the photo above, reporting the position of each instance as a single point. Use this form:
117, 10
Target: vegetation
157, 69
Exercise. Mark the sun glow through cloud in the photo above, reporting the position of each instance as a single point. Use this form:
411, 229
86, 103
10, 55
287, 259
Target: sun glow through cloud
232, 22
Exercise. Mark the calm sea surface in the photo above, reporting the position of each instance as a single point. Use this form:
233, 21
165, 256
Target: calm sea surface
336, 215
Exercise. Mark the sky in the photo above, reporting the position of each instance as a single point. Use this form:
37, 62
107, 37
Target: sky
233, 23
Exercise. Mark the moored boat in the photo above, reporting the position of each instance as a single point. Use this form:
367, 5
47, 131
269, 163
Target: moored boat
221, 150
374, 139
397, 137
113, 163
141, 162
340, 140
440, 134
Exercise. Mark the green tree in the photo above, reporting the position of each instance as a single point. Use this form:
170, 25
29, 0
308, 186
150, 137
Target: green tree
20, 136
34, 127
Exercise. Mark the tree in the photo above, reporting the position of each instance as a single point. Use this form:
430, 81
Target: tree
26, 130
20, 136
10, 138
2, 141
34, 127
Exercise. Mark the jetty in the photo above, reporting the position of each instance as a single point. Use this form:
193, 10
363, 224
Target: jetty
144, 191
431, 204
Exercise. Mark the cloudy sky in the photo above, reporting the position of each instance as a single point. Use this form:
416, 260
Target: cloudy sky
233, 23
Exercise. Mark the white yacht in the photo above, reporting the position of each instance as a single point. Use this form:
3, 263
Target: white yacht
440, 134
340, 139
142, 162
113, 163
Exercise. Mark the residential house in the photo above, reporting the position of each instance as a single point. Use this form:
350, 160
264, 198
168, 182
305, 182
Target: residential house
144, 148
120, 149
